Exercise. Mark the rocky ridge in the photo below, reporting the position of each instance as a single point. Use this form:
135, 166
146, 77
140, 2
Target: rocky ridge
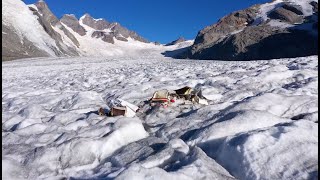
287, 30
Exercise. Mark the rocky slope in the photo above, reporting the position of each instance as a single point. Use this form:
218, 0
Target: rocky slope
279, 29
36, 32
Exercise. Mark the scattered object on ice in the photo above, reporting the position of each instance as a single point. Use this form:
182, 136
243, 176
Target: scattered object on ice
101, 112
118, 111
162, 96
165, 98
184, 92
187, 93
190, 96
129, 105
200, 101
195, 96
120, 107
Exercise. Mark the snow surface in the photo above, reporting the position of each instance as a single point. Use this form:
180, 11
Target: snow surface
261, 121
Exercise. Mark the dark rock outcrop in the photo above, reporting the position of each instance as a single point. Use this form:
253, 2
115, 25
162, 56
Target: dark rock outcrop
293, 8
104, 36
179, 40
226, 25
261, 42
121, 39
72, 22
285, 15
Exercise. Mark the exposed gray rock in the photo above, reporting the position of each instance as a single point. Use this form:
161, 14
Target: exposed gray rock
135, 36
294, 8
72, 22
226, 25
97, 34
179, 40
108, 38
121, 39
261, 42
119, 30
104, 36
13, 48
285, 15
122, 31
99, 24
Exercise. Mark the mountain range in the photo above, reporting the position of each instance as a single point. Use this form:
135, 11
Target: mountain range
278, 29
36, 32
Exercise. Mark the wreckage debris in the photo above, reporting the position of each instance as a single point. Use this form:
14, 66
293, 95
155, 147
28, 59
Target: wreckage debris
101, 112
161, 98
118, 111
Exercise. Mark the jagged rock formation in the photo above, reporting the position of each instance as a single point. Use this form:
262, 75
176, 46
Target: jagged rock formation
104, 36
48, 20
72, 22
115, 29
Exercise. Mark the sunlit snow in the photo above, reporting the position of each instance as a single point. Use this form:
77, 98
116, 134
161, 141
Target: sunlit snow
261, 121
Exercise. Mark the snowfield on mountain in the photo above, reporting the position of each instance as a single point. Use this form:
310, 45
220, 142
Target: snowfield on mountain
261, 121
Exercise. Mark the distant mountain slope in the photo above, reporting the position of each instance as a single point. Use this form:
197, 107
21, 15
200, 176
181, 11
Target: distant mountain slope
179, 40
36, 32
281, 28
22, 34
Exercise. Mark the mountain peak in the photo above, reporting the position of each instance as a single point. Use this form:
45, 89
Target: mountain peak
179, 40
86, 15
97, 24
70, 15
42, 3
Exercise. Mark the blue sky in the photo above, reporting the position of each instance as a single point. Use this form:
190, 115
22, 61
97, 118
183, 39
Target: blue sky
162, 20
